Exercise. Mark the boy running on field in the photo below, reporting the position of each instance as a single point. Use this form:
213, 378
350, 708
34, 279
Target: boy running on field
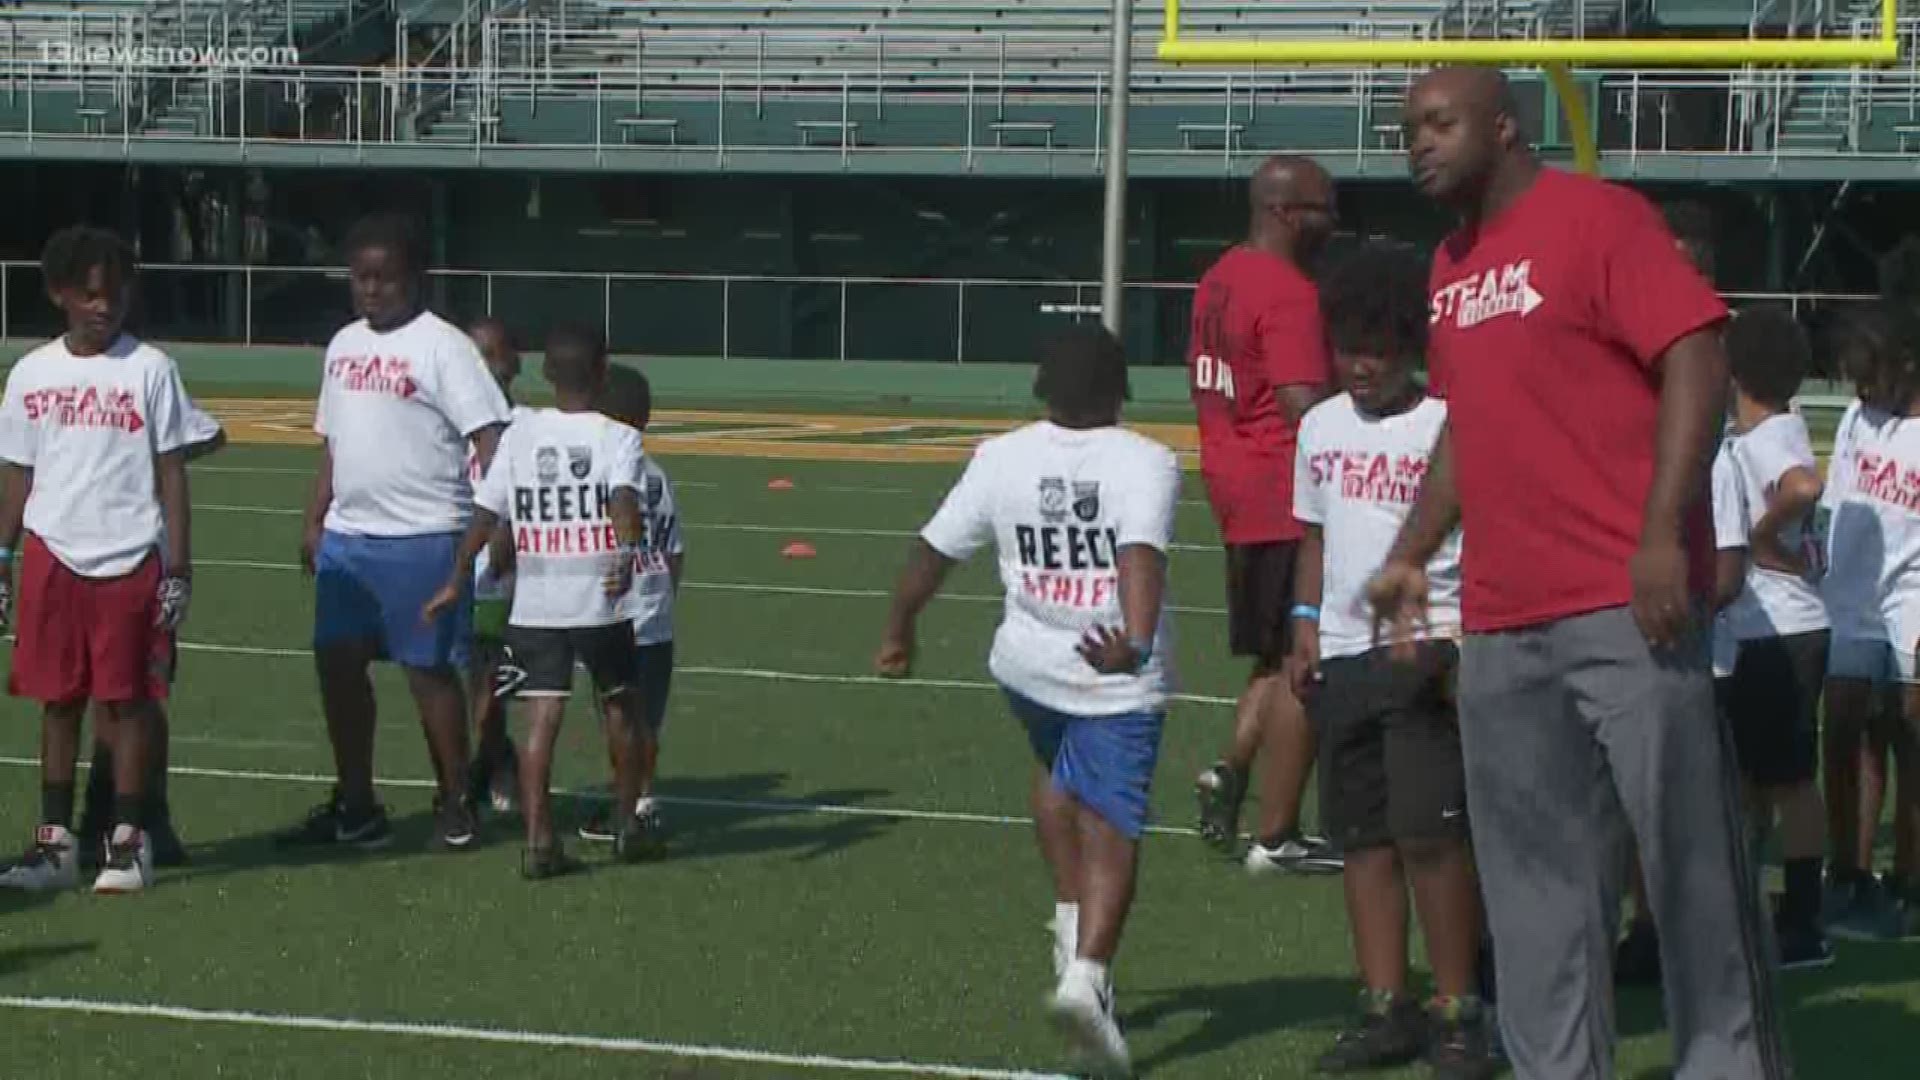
91, 430
1081, 513
1779, 620
492, 780
566, 482
628, 398
1392, 788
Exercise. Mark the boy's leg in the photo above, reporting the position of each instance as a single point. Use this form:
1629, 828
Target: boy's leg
656, 687
546, 656
49, 665
1778, 735
96, 808
442, 704
492, 750
1057, 827
347, 638
404, 573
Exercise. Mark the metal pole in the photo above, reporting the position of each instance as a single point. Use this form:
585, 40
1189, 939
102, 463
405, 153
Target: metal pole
1113, 256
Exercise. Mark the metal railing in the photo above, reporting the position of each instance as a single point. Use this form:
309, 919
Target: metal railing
724, 316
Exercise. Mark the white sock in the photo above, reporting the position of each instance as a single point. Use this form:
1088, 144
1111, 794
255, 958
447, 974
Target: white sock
1093, 971
124, 832
1066, 925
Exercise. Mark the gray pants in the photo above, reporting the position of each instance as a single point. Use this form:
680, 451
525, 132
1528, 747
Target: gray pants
1574, 731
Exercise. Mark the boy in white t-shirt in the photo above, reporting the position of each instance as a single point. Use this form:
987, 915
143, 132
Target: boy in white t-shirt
628, 398
1081, 512
567, 484
492, 779
1392, 782
1779, 619
91, 430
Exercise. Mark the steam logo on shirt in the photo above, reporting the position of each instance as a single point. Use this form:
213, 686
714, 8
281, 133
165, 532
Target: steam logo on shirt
1366, 476
392, 376
85, 407
1882, 478
1481, 297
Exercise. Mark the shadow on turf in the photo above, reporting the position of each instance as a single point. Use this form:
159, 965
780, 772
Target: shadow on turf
1234, 1012
19, 961
413, 836
706, 817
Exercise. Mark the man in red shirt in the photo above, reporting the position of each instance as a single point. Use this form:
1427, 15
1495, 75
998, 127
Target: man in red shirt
1579, 354
1258, 361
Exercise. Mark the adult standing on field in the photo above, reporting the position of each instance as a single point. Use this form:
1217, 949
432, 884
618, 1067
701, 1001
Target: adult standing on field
402, 394
1580, 358
1258, 360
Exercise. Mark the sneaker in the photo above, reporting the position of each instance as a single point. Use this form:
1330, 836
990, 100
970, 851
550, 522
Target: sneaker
642, 836
1082, 1012
1457, 1045
539, 864
50, 862
1869, 915
1801, 944
599, 827
454, 821
129, 864
1221, 791
1636, 960
1391, 1031
1296, 854
328, 825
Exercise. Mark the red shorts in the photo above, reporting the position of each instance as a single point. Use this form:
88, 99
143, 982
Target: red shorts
79, 638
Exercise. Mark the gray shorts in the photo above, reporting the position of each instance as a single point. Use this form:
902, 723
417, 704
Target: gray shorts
1577, 736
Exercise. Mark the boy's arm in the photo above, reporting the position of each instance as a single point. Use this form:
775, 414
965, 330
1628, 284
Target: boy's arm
1729, 577
1303, 660
209, 447
1145, 533
176, 506
1398, 593
317, 505
1793, 497
479, 531
16, 482
925, 571
676, 568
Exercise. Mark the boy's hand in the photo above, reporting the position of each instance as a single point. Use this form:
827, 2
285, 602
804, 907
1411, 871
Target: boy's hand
310, 548
1108, 651
1398, 596
6, 595
895, 658
1661, 607
443, 600
619, 577
1302, 666
173, 595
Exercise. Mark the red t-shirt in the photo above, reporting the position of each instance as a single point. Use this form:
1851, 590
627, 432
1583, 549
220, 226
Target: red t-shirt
1256, 328
1548, 324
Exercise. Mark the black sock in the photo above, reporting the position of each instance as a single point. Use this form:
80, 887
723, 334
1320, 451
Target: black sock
1802, 900
56, 805
130, 810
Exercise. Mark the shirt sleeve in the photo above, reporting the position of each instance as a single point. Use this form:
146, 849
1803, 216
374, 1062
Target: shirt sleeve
495, 490
964, 522
198, 425
323, 407
465, 390
1651, 295
167, 405
1293, 342
1147, 511
1729, 503
19, 436
1784, 449
1309, 501
669, 513
629, 460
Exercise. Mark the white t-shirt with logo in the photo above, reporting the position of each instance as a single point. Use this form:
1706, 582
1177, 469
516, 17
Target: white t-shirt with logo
1851, 587
1729, 534
197, 426
396, 410
653, 576
1776, 604
1356, 477
1058, 504
486, 584
90, 429
552, 481
1873, 578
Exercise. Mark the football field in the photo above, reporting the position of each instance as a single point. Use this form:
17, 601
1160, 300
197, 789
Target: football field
852, 886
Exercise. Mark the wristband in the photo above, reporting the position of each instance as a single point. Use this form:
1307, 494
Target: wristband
1307, 612
1142, 651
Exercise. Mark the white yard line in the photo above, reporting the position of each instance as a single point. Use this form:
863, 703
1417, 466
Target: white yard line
555, 1040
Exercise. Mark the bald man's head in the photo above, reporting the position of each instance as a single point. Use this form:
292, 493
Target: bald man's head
1293, 205
1461, 123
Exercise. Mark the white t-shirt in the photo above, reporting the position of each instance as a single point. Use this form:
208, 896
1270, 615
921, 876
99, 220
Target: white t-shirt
653, 576
486, 584
197, 425
1058, 505
1866, 522
1357, 476
552, 482
1776, 604
90, 429
1729, 534
396, 410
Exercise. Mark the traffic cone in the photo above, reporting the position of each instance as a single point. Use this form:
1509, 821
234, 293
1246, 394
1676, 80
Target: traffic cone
799, 549
779, 483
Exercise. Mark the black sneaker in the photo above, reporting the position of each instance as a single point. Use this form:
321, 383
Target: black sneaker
1636, 960
455, 822
1296, 853
1457, 1044
1221, 791
164, 841
321, 828
1391, 1031
539, 864
599, 827
642, 836
1801, 944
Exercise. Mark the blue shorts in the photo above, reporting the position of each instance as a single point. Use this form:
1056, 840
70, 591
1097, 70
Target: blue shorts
1105, 762
372, 588
1877, 662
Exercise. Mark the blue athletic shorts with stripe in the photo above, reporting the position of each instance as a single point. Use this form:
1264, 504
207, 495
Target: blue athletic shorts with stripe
372, 588
1105, 762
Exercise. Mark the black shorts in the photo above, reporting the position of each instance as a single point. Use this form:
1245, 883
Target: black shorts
1259, 599
1390, 765
1773, 707
541, 659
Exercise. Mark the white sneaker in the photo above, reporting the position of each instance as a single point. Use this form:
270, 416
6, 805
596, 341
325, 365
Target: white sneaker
50, 863
501, 793
1082, 1011
1062, 953
129, 865
1298, 854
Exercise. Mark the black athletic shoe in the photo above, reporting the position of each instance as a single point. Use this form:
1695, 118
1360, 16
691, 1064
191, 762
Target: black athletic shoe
1801, 943
329, 825
1457, 1043
1389, 1032
599, 828
1221, 791
539, 864
164, 841
642, 836
1636, 960
454, 821
1295, 853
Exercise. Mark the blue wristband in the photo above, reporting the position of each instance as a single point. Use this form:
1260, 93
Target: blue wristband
1307, 612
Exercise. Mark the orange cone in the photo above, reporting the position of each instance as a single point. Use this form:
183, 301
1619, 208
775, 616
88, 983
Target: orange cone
779, 483
799, 549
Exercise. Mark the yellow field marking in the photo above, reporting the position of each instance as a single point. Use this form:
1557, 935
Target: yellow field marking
775, 436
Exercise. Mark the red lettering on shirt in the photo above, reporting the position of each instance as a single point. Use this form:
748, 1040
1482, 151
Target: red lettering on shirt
391, 376
85, 407
1883, 478
1081, 590
1367, 476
